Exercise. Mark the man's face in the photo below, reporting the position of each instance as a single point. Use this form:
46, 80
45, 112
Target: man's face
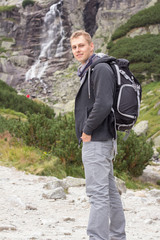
81, 49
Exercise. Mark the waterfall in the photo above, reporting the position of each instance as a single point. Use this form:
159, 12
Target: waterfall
52, 44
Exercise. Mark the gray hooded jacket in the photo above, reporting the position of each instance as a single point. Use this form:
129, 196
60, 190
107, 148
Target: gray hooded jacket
94, 102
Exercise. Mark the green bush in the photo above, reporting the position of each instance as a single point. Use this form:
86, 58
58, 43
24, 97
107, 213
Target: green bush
57, 136
27, 3
6, 87
9, 125
133, 155
10, 99
143, 18
38, 131
143, 52
66, 147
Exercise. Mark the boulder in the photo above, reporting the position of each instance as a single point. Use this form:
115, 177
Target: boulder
120, 185
74, 182
55, 184
141, 128
156, 141
57, 193
21, 60
151, 174
7, 45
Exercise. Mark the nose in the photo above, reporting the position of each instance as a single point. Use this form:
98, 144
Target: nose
77, 49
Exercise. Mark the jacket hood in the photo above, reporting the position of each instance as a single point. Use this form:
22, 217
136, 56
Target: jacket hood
104, 58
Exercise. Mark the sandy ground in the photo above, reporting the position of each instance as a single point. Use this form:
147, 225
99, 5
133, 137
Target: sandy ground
26, 215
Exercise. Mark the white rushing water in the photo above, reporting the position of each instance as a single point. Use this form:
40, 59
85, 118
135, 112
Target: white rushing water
52, 44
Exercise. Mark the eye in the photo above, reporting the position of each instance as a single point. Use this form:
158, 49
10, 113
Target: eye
81, 45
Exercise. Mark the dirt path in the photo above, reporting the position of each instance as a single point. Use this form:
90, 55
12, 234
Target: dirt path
26, 215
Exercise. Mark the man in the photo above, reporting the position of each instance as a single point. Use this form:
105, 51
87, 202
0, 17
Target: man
94, 127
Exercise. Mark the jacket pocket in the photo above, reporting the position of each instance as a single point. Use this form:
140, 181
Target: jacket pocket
87, 112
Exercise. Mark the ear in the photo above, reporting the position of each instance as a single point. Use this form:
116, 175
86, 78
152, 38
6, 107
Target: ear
92, 46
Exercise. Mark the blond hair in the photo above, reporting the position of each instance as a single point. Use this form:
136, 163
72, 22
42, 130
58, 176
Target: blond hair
83, 33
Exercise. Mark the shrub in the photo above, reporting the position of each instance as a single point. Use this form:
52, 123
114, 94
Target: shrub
57, 136
38, 131
9, 125
143, 52
143, 18
133, 155
66, 147
27, 3
10, 99
5, 86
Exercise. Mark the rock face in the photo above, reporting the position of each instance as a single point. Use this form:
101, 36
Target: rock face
25, 27
31, 50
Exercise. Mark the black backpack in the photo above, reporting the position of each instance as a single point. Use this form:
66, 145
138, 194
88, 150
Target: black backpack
128, 94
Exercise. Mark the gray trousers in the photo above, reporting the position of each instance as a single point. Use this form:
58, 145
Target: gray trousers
106, 220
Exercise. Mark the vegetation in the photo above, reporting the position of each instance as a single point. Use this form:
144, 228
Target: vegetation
143, 52
8, 113
34, 140
143, 18
7, 39
7, 8
27, 3
10, 99
150, 107
133, 154
29, 159
2, 50
53, 136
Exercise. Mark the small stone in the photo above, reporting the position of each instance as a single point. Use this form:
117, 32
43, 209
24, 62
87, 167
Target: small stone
148, 221
7, 228
29, 207
68, 219
67, 233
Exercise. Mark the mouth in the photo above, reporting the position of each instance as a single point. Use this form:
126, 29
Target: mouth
79, 55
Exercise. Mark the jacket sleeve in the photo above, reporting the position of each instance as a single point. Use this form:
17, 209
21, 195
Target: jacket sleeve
104, 87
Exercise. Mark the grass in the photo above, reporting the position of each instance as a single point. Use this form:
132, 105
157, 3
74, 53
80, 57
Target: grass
7, 8
13, 153
134, 183
2, 50
151, 97
8, 113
